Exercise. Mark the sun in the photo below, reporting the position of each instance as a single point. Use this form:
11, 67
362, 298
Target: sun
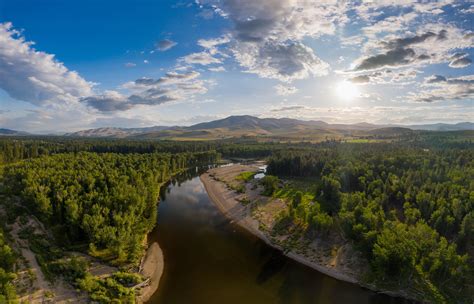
347, 91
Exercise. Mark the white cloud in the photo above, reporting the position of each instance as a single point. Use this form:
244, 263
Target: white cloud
212, 43
171, 87
430, 45
459, 60
267, 35
283, 61
36, 77
390, 24
202, 58
217, 69
285, 90
439, 88
387, 76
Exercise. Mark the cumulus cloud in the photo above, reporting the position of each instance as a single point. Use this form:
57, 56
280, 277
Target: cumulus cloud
282, 61
285, 90
213, 42
360, 79
439, 88
165, 44
202, 58
267, 35
459, 60
432, 44
172, 86
109, 101
399, 52
390, 24
387, 76
36, 77
369, 10
217, 69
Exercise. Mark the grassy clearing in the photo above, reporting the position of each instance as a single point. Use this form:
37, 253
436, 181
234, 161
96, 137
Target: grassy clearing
245, 176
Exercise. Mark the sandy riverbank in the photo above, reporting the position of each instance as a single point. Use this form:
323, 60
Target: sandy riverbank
152, 267
226, 200
216, 182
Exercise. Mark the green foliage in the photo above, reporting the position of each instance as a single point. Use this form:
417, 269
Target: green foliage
417, 252
107, 200
270, 184
107, 290
127, 279
329, 195
245, 176
7, 262
71, 269
408, 209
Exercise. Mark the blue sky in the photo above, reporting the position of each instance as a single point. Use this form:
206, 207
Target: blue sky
143, 63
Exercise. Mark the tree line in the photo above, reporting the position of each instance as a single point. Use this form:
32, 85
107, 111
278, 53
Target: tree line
409, 210
107, 201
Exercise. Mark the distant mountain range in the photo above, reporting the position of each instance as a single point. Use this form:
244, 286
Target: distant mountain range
8, 132
250, 126
115, 132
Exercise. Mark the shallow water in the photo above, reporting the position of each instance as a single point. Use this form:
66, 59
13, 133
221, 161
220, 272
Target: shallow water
210, 260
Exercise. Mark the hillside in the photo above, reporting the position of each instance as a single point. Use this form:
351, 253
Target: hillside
282, 128
9, 132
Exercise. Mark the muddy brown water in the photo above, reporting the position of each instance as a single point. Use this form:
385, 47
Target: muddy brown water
210, 260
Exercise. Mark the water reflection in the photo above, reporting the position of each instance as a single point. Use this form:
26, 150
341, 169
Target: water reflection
209, 260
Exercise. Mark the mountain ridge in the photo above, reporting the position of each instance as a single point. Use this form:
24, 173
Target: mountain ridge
10, 132
247, 125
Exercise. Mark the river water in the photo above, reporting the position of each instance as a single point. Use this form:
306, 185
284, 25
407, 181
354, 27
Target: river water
210, 260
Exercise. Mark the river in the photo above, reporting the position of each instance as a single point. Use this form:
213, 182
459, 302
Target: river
210, 260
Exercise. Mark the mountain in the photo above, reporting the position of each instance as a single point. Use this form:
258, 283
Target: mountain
251, 122
444, 127
115, 132
9, 132
250, 126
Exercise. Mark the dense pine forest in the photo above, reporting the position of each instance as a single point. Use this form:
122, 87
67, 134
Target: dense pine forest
106, 200
101, 203
406, 205
409, 210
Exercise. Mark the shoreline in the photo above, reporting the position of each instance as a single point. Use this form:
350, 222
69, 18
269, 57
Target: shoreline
233, 210
225, 200
152, 267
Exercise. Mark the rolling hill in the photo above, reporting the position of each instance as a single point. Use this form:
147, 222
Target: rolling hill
282, 128
9, 132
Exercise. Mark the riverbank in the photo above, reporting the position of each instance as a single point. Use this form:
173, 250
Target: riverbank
152, 268
251, 211
227, 202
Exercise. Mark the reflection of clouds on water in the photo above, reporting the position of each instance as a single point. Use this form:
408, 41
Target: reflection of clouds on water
186, 197
198, 189
190, 200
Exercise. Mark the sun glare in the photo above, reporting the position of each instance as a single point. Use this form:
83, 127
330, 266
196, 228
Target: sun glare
347, 91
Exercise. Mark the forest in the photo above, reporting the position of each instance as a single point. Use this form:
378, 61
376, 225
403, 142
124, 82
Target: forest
407, 206
7, 275
100, 203
107, 201
408, 210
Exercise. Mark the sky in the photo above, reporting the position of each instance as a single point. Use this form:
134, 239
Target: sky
81, 64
